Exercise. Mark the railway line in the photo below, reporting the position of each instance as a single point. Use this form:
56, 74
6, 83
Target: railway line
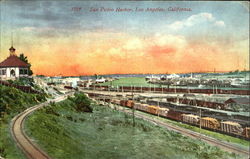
211, 119
30, 149
223, 145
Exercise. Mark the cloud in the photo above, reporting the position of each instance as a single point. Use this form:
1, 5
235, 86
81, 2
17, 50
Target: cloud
28, 29
133, 44
219, 23
196, 19
107, 52
45, 16
45, 32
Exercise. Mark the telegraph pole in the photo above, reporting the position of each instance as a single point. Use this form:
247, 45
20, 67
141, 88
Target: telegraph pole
200, 130
200, 124
133, 109
158, 107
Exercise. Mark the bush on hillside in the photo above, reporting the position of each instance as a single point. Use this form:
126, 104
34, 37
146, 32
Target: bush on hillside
82, 103
13, 100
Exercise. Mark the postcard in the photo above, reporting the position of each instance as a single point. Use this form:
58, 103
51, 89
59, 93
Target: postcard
124, 79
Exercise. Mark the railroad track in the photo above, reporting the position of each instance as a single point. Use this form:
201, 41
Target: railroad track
226, 146
31, 150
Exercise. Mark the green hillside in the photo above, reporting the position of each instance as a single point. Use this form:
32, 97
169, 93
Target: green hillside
13, 101
66, 132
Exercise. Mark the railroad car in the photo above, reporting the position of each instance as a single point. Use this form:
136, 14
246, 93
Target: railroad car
240, 117
144, 107
190, 118
163, 111
112, 101
171, 99
158, 89
116, 101
184, 90
211, 123
107, 100
231, 127
129, 103
246, 132
228, 127
51, 83
137, 106
152, 109
68, 87
101, 99
91, 95
174, 115
123, 102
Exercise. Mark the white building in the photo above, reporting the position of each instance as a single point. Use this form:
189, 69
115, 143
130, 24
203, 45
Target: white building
71, 81
101, 80
13, 67
173, 76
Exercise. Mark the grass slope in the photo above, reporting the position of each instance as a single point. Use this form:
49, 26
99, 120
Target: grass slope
13, 101
67, 134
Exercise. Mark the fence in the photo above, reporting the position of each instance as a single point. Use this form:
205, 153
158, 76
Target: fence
26, 89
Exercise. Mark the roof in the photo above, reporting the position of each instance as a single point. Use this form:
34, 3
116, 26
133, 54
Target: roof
240, 100
13, 61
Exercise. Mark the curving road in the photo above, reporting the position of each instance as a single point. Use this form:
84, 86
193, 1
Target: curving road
31, 150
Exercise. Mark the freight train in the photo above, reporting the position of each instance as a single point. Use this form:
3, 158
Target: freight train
172, 90
226, 127
197, 102
194, 102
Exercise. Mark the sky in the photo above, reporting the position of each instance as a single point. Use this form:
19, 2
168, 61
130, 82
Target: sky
122, 37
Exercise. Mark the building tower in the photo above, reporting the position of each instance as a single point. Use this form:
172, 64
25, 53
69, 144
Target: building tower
12, 67
12, 49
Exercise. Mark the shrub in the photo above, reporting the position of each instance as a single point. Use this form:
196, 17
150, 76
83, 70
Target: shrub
82, 103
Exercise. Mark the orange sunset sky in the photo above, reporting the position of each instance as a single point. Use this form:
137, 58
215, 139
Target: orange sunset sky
60, 40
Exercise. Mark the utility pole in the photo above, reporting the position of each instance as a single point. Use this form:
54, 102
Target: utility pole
200, 129
216, 92
133, 109
150, 87
213, 89
158, 106
200, 123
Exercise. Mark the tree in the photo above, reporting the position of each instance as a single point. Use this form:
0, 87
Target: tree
96, 76
82, 103
25, 59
